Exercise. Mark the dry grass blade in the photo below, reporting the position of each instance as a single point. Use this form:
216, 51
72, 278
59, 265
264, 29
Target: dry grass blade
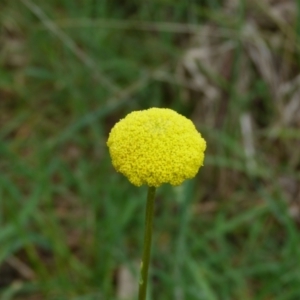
126, 283
82, 56
261, 56
290, 114
248, 139
183, 28
25, 271
291, 190
206, 66
205, 58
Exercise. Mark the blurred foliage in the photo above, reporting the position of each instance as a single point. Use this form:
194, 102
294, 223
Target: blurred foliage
69, 223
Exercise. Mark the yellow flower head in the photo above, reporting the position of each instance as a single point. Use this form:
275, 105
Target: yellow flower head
156, 146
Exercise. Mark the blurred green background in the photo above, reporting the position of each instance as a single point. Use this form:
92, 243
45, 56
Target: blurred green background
71, 227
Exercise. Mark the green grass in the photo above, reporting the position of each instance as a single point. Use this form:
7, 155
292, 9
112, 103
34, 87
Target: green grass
69, 222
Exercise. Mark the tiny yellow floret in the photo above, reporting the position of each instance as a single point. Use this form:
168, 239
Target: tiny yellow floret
156, 146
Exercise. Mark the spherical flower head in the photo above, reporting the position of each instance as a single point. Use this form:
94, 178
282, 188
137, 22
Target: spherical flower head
156, 146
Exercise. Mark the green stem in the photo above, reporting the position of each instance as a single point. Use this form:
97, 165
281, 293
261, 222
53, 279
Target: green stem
147, 243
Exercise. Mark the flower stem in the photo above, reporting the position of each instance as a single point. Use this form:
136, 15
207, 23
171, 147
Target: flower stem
147, 243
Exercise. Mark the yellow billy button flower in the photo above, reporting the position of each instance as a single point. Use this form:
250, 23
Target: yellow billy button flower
156, 146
